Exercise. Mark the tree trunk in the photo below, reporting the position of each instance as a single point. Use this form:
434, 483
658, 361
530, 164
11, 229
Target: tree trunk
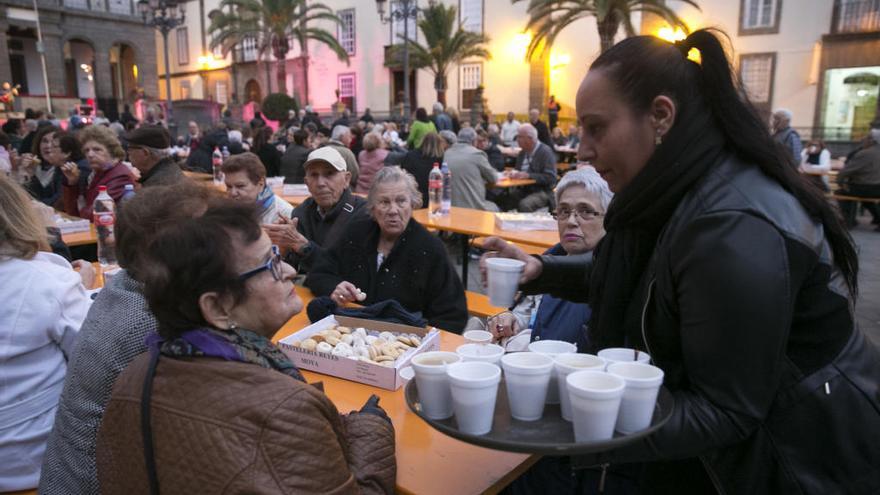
607, 29
281, 70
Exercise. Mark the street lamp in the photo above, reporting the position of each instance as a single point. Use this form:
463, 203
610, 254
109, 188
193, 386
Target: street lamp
402, 10
164, 15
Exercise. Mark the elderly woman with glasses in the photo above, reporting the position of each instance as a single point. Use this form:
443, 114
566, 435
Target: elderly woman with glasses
214, 404
582, 198
390, 256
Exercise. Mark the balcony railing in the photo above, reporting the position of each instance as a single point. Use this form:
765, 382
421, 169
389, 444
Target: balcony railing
856, 16
123, 7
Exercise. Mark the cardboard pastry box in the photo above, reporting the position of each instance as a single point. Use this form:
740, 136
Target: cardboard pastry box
351, 369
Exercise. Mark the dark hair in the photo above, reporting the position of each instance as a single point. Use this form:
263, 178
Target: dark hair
4, 140
38, 138
152, 209
262, 138
248, 163
421, 114
69, 144
12, 126
643, 67
195, 256
300, 136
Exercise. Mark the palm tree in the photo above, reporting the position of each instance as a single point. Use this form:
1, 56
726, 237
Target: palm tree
274, 24
444, 45
547, 18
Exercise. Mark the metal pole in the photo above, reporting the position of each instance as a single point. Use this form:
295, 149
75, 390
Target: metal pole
42, 50
169, 109
406, 13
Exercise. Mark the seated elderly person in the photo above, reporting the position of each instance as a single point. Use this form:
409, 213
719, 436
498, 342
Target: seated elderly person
391, 256
148, 152
324, 216
104, 154
213, 380
471, 172
44, 304
582, 198
535, 161
245, 178
112, 334
340, 140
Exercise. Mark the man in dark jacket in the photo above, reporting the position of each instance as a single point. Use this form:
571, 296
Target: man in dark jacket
295, 156
861, 177
541, 127
322, 218
148, 152
538, 162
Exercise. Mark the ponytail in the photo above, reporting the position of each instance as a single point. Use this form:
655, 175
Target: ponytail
644, 67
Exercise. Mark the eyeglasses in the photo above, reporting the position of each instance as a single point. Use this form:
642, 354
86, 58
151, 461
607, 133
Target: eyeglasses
585, 213
273, 265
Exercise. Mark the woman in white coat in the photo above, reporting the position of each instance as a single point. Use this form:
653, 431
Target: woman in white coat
44, 302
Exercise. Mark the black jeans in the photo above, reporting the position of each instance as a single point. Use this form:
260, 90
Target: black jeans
849, 208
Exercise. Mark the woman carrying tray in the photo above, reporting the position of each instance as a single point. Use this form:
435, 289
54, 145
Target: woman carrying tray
734, 274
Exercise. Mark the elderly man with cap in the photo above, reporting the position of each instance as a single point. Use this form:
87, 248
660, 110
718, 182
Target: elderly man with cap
148, 152
322, 218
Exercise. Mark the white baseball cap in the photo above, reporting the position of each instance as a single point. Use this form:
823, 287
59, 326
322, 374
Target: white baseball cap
329, 156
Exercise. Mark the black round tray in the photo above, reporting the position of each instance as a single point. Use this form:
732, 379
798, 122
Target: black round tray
550, 435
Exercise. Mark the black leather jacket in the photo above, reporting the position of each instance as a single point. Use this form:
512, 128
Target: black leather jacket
776, 389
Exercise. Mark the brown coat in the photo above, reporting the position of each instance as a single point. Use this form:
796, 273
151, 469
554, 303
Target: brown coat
230, 427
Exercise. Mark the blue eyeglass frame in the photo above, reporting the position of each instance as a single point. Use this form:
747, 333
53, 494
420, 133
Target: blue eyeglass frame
273, 266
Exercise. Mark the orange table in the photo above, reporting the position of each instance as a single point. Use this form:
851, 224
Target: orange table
507, 183
481, 223
81, 238
427, 461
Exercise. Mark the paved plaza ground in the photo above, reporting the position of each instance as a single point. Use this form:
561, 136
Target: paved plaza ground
867, 306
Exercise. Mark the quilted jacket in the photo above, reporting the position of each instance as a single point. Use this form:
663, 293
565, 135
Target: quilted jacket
229, 427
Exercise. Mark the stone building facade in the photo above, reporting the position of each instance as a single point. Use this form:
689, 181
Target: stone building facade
96, 50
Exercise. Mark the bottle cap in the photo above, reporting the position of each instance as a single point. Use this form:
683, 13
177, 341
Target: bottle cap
102, 189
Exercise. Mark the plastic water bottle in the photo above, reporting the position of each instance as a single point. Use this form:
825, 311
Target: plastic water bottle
225, 153
127, 194
435, 191
217, 164
446, 197
104, 214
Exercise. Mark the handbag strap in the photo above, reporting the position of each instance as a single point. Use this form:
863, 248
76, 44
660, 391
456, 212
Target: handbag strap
146, 428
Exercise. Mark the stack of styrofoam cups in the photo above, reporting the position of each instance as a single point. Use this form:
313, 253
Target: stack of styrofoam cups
433, 383
474, 387
595, 399
623, 355
640, 395
503, 275
566, 364
552, 348
526, 377
487, 353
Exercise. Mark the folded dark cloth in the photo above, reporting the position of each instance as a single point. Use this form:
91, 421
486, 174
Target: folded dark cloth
389, 311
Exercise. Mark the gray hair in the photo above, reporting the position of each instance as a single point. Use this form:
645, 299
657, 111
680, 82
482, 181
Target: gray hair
591, 181
449, 137
529, 130
234, 136
339, 131
438, 107
467, 135
394, 174
784, 113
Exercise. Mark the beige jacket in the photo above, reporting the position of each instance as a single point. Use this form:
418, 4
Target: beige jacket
230, 427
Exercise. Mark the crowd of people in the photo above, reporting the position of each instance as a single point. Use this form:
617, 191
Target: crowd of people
687, 230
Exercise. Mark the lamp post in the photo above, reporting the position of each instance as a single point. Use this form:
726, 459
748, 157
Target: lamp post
164, 15
403, 10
